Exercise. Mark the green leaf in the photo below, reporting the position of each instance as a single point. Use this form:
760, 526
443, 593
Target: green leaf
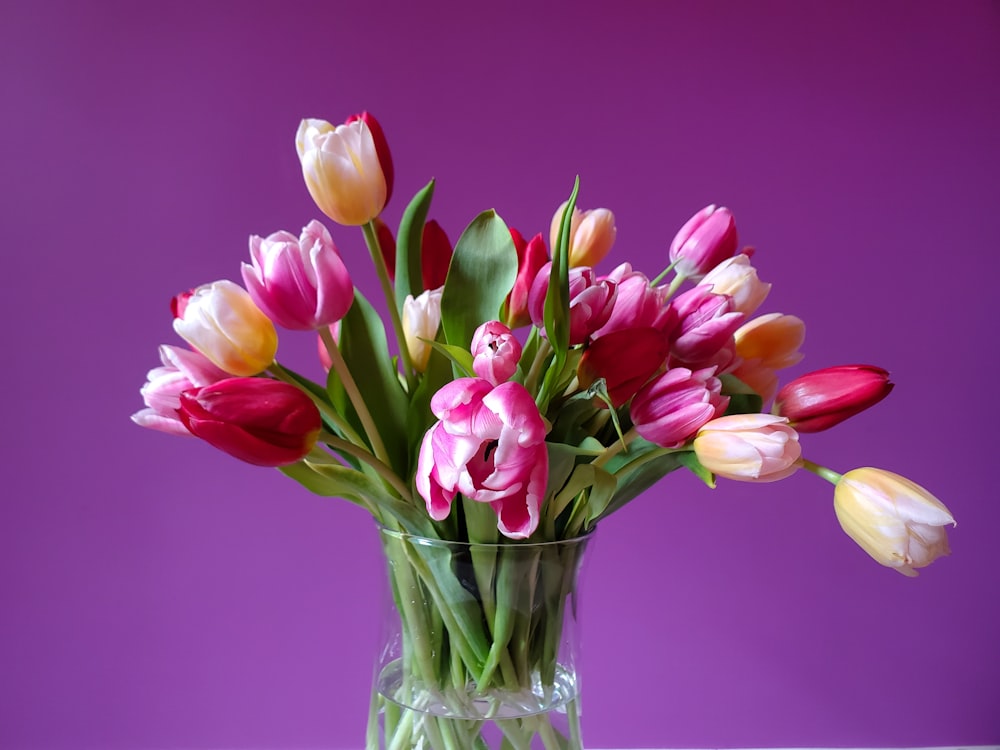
690, 461
408, 245
459, 357
742, 398
483, 270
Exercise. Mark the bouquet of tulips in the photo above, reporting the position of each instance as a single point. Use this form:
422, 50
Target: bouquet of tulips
512, 392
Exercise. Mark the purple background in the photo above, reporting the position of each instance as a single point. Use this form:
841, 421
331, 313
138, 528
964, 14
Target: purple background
156, 593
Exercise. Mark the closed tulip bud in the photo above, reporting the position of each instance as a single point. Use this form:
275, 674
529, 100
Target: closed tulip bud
707, 239
531, 256
592, 233
421, 318
765, 345
381, 148
625, 359
705, 324
824, 398
900, 524
342, 170
590, 301
387, 246
435, 255
737, 278
495, 352
637, 304
673, 407
222, 322
263, 422
182, 370
300, 283
748, 447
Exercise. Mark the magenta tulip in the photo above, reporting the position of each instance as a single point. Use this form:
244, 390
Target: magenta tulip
707, 239
495, 352
821, 399
591, 301
489, 446
261, 421
673, 407
637, 304
705, 324
625, 359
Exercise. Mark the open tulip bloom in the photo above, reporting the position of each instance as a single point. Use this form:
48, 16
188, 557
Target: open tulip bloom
442, 422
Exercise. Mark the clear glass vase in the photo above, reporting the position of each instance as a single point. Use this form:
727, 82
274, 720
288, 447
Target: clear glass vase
479, 646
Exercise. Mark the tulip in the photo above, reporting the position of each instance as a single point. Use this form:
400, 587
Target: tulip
435, 255
342, 170
300, 283
748, 447
591, 235
897, 522
765, 345
673, 407
182, 370
531, 256
625, 359
221, 321
637, 304
707, 239
590, 301
261, 421
737, 278
495, 352
705, 324
489, 445
381, 148
387, 246
819, 400
421, 318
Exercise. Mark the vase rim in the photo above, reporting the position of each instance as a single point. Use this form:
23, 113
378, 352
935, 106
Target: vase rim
519, 543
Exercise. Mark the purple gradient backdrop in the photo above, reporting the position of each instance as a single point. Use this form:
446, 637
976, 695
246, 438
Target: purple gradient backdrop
156, 594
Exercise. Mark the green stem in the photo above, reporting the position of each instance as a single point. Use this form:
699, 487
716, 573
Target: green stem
371, 239
821, 471
663, 274
615, 448
541, 357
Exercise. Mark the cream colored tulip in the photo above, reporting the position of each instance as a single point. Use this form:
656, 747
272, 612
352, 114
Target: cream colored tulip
342, 170
897, 522
222, 322
421, 318
748, 447
738, 278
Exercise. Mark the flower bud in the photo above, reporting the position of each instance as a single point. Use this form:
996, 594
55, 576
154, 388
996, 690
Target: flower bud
765, 345
707, 239
182, 370
531, 256
261, 421
705, 324
819, 400
435, 255
421, 318
222, 322
672, 408
897, 522
737, 278
342, 170
381, 148
387, 246
637, 304
299, 283
590, 301
592, 233
495, 352
748, 447
626, 359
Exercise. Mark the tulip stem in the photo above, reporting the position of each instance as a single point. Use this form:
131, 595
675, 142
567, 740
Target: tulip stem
615, 448
821, 471
354, 395
663, 275
345, 446
535, 371
375, 249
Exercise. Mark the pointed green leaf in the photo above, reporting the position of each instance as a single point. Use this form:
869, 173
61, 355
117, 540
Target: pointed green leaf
408, 245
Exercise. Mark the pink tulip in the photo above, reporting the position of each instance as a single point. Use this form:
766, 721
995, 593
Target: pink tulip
435, 255
591, 301
489, 445
705, 324
300, 283
748, 447
672, 408
637, 304
821, 399
897, 522
626, 359
322, 351
707, 239
737, 278
261, 421
381, 148
495, 352
531, 256
182, 370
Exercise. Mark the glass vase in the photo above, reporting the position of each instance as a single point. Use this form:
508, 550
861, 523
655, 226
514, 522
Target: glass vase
479, 646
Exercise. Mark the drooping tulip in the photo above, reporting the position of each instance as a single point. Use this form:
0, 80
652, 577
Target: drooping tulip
342, 170
673, 407
823, 398
300, 283
748, 447
707, 239
495, 352
737, 278
421, 319
182, 370
261, 421
531, 256
381, 148
625, 359
489, 445
222, 322
897, 522
765, 345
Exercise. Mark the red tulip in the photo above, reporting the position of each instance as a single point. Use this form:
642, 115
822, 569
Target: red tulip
626, 359
821, 399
